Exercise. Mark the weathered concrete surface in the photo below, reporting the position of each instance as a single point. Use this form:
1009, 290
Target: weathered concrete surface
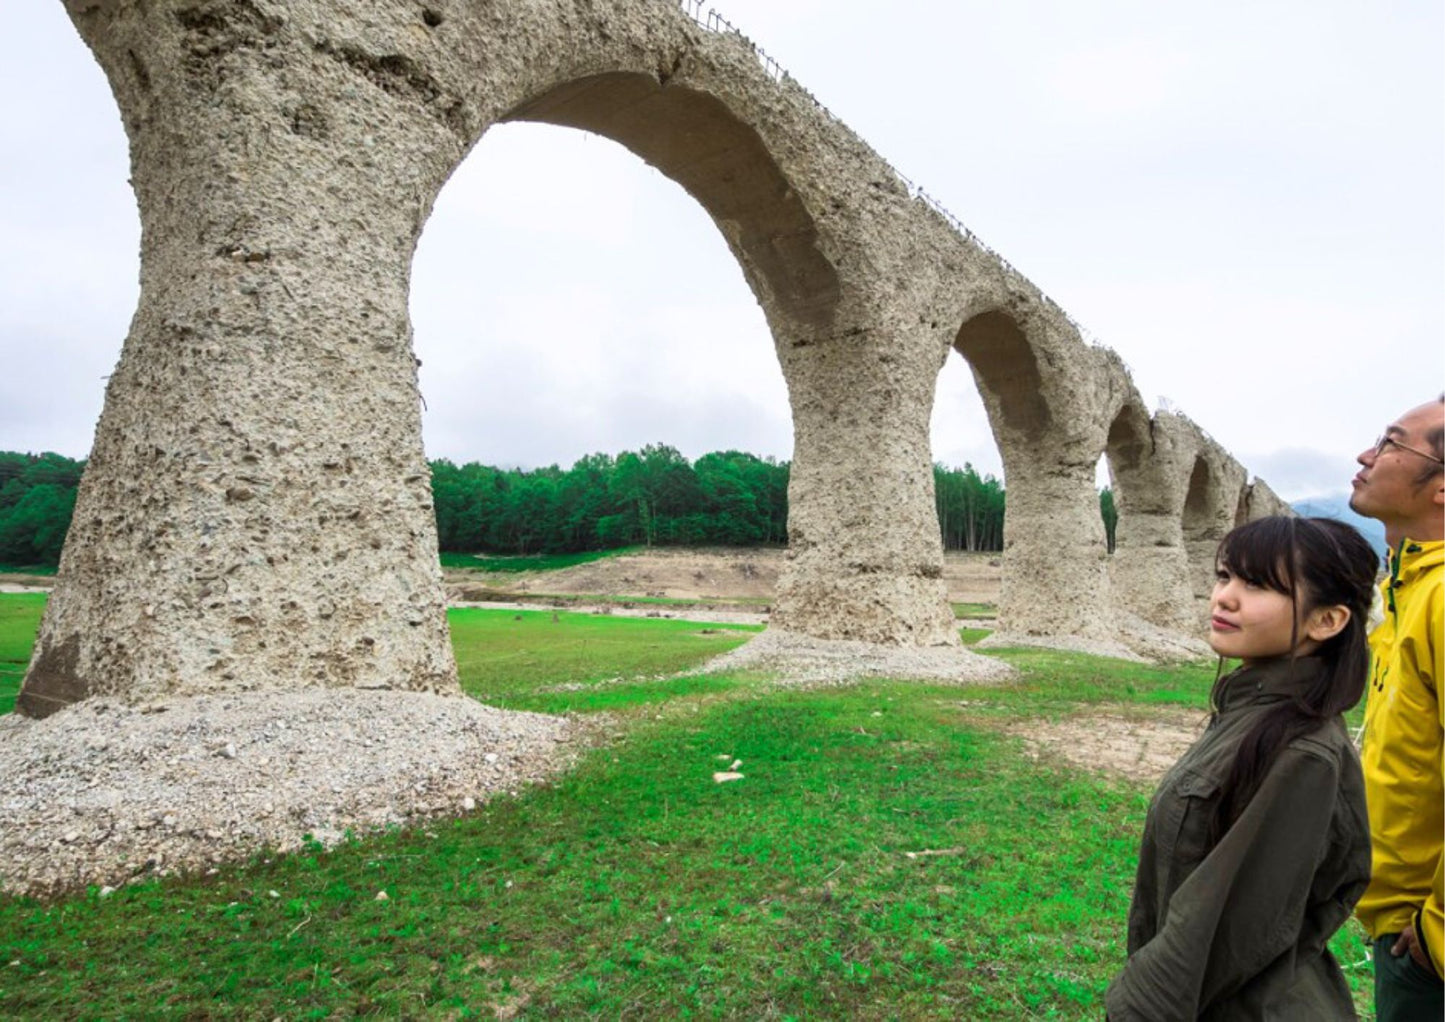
1213, 504
1149, 572
1046, 395
1158, 567
256, 511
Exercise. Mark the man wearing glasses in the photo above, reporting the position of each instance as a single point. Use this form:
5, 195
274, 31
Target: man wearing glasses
1402, 483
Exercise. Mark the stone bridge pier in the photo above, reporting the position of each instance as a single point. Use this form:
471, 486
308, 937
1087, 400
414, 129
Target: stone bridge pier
1214, 502
865, 560
1149, 571
1041, 388
256, 508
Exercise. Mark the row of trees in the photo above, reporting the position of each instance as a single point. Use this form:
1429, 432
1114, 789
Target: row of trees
37, 497
970, 508
653, 496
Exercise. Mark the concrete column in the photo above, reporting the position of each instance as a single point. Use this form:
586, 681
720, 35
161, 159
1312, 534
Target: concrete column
1042, 387
865, 560
1211, 509
1150, 567
256, 511
1056, 562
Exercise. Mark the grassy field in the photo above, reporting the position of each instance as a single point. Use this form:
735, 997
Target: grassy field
888, 854
518, 659
19, 619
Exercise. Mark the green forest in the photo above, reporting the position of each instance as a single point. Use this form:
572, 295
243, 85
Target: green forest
651, 497
37, 497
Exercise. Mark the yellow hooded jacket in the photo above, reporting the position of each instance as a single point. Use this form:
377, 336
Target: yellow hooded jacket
1403, 752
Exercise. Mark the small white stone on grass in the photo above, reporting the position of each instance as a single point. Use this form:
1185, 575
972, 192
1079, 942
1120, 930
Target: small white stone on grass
723, 776
469, 803
381, 896
736, 763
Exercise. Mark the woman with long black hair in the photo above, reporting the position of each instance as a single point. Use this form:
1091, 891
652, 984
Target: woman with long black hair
1256, 845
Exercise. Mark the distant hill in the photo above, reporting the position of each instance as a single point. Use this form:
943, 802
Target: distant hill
1337, 505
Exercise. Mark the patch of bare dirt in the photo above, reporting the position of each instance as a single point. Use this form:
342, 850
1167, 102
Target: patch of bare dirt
19, 583
1139, 748
724, 574
711, 615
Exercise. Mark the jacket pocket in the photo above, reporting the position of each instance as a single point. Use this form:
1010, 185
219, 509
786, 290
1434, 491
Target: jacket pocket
1187, 838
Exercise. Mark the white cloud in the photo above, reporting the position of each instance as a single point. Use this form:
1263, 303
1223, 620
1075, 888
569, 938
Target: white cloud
1297, 472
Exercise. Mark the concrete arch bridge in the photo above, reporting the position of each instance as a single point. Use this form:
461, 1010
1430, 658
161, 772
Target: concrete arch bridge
257, 509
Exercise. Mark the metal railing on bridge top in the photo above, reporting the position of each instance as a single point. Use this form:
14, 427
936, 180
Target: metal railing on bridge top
712, 21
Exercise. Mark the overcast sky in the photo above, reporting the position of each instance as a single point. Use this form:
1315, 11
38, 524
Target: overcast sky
1245, 200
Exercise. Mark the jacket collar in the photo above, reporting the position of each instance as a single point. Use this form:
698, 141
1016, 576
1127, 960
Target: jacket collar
1269, 681
1408, 561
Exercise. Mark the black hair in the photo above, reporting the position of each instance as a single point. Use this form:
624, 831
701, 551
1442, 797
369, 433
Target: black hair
1317, 562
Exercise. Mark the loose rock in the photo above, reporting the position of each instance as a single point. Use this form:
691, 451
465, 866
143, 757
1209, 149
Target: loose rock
103, 792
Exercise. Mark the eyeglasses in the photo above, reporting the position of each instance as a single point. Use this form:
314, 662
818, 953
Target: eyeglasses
1386, 441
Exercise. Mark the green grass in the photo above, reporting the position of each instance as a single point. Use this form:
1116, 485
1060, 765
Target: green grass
19, 619
974, 610
635, 885
536, 562
515, 658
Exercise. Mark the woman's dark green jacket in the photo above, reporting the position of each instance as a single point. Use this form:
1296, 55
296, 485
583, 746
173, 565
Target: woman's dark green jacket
1238, 930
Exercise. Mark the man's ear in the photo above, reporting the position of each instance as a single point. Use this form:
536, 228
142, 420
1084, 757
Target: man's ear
1324, 623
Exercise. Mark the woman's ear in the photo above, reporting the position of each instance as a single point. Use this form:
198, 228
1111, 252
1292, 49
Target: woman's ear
1324, 623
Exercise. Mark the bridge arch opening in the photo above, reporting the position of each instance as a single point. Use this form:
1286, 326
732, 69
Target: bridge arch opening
968, 475
1200, 525
569, 301
608, 283
696, 140
1125, 465
1007, 371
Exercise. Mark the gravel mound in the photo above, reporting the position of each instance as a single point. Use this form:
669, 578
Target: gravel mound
1138, 641
805, 662
103, 792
